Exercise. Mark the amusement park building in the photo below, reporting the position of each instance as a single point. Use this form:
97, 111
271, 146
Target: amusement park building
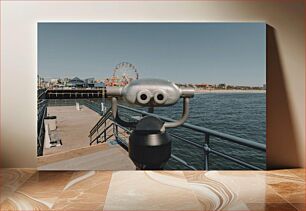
99, 85
89, 82
76, 82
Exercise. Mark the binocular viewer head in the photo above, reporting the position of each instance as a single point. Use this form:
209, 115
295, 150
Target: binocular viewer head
150, 92
149, 145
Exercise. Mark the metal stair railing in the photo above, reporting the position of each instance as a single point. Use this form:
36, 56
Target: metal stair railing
104, 133
95, 134
101, 121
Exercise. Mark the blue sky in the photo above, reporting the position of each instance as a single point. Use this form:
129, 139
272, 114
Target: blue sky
231, 53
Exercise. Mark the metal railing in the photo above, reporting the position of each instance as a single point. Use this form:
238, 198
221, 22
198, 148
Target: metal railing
41, 114
92, 106
206, 146
95, 134
41, 94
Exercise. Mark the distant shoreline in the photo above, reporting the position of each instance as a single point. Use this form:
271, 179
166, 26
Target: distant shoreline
197, 91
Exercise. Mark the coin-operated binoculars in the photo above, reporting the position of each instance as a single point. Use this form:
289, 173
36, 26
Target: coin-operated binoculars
149, 144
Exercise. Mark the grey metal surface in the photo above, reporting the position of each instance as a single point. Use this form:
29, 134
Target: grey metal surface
151, 93
150, 89
184, 117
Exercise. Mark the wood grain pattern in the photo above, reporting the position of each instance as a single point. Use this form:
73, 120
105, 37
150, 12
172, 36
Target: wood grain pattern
153, 190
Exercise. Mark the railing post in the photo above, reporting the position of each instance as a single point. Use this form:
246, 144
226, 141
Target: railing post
105, 132
116, 131
102, 108
97, 131
206, 152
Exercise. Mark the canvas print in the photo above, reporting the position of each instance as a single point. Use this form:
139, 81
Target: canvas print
151, 96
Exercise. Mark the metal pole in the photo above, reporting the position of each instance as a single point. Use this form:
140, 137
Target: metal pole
206, 152
105, 133
102, 108
114, 131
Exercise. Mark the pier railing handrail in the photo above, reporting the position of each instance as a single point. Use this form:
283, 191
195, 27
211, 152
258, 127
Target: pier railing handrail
42, 112
205, 147
217, 134
42, 94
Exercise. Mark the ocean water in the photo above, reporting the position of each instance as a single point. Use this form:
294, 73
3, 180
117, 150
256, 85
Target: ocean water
239, 114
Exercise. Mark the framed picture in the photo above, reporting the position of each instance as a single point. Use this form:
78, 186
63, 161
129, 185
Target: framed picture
209, 78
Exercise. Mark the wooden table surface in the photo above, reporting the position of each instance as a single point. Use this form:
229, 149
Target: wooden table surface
28, 189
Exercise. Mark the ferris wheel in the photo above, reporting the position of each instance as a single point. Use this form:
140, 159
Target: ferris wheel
124, 73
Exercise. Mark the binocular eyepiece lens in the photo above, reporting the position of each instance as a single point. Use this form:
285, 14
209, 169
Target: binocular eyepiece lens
143, 96
160, 97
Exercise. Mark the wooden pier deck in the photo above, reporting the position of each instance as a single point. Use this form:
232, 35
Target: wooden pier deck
73, 127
